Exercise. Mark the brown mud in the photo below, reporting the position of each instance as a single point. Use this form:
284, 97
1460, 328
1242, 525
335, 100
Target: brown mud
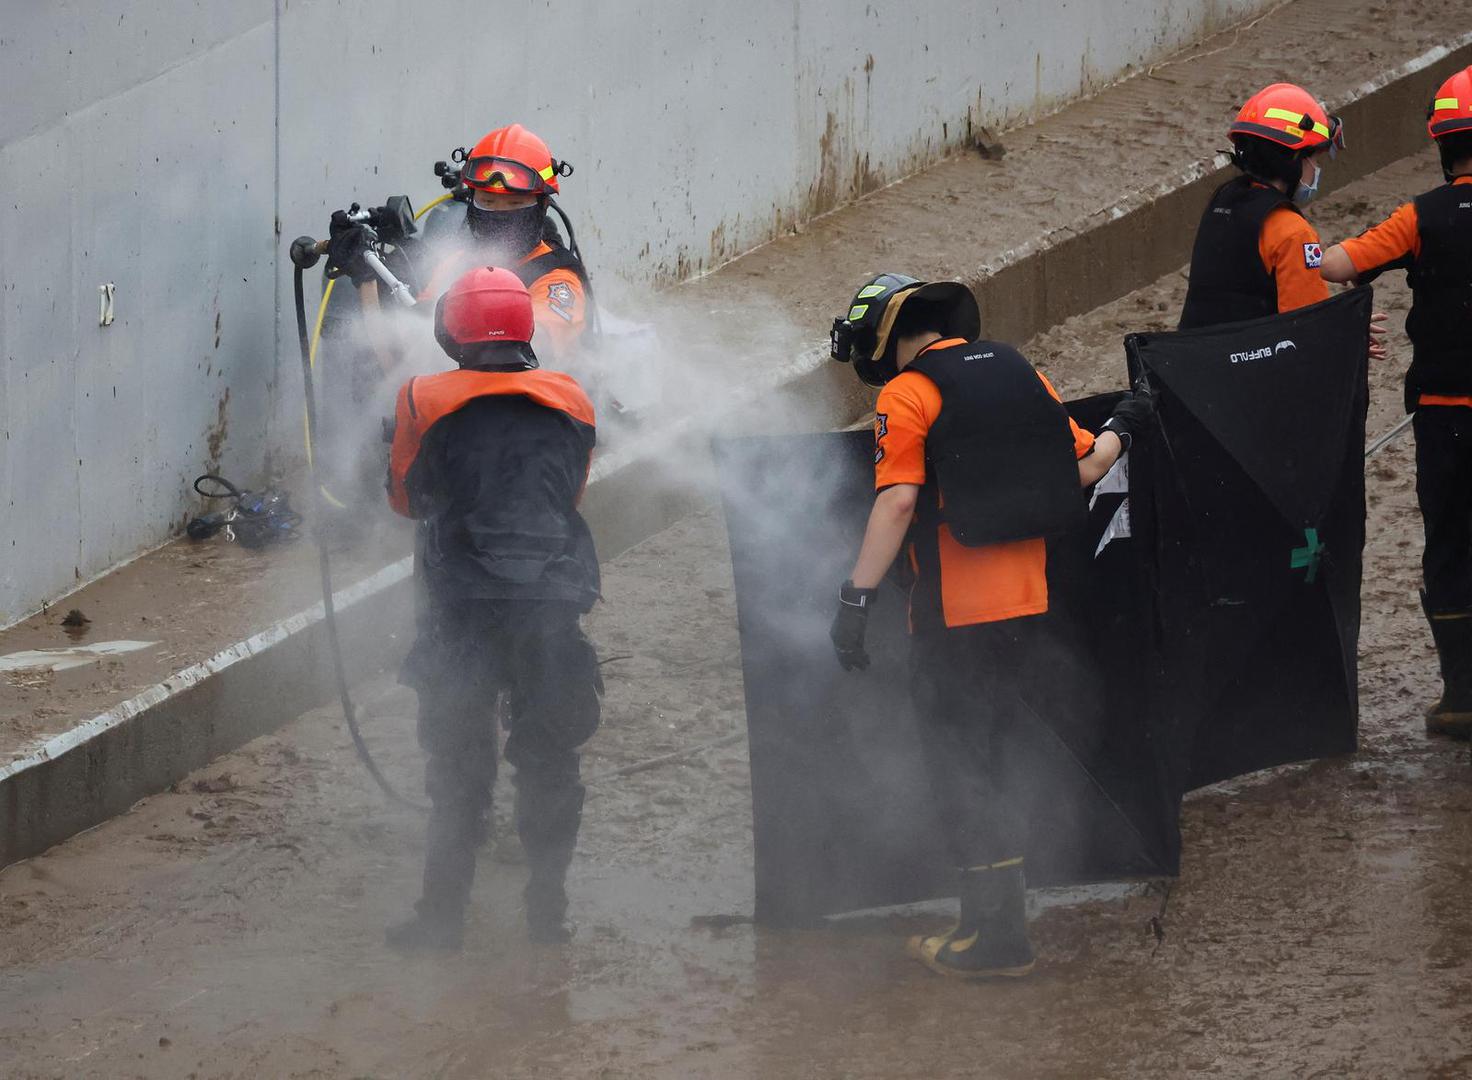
191, 599
1320, 926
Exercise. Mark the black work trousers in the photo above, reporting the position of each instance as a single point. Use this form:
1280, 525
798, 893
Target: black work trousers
532, 655
964, 685
1444, 491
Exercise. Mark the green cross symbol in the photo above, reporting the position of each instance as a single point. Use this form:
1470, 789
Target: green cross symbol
1308, 555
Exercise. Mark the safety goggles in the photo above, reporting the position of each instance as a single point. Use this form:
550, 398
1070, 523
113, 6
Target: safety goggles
504, 174
1336, 136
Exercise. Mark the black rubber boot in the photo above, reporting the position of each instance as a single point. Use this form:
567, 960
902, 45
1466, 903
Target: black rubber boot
990, 941
428, 931
449, 870
1452, 632
547, 820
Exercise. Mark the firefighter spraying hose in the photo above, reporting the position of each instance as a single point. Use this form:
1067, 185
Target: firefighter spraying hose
499, 194
499, 208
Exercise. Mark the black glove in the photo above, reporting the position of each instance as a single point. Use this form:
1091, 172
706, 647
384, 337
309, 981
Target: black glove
1132, 415
849, 625
345, 251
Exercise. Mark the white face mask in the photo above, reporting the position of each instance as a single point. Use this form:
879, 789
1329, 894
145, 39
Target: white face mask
1306, 193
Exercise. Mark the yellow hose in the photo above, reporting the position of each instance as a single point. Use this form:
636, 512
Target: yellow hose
427, 207
317, 339
321, 316
312, 362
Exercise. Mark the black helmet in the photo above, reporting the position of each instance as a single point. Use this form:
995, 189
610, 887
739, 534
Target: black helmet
864, 336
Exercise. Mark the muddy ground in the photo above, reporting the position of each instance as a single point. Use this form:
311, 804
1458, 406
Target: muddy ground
232, 928
189, 601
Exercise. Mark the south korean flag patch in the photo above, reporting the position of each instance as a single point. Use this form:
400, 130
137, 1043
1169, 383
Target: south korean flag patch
1313, 256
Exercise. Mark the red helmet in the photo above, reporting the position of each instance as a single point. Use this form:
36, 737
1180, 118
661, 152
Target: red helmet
1451, 109
1289, 116
485, 306
513, 161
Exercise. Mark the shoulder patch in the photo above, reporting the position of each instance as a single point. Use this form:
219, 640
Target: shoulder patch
1313, 255
561, 298
881, 429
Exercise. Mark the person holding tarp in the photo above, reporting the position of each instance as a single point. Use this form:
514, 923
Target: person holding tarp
976, 462
492, 460
1430, 237
1255, 253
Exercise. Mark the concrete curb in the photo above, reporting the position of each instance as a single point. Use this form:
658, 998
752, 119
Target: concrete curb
99, 769
103, 766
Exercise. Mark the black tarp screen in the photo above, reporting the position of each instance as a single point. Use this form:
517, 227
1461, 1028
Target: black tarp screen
1118, 670
1253, 494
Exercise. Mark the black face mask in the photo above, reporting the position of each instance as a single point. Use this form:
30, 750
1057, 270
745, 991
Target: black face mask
515, 232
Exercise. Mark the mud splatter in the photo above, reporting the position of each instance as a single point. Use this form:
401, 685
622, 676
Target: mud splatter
215, 437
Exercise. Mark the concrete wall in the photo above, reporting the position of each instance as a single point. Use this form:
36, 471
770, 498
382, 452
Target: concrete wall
168, 146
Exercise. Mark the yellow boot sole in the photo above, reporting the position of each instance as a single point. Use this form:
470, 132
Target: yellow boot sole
932, 950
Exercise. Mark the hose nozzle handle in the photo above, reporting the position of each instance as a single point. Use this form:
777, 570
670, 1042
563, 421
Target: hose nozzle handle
397, 289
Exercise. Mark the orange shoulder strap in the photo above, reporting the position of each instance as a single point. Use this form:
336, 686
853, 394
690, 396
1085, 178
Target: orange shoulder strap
426, 399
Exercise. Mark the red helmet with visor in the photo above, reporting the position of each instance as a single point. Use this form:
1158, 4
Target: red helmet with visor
513, 161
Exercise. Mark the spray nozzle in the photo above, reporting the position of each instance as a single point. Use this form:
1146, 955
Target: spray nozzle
392, 221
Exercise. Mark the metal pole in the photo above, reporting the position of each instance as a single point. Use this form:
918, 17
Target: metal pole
1389, 437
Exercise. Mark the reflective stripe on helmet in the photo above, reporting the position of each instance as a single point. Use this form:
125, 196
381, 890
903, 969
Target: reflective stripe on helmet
1450, 111
1298, 121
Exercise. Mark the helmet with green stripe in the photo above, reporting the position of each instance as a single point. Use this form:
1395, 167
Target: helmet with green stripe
1277, 128
865, 336
1291, 117
1449, 122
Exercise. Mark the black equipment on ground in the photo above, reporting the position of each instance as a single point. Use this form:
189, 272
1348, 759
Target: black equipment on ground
255, 519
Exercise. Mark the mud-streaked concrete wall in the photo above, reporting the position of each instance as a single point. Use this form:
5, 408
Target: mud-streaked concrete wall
167, 147
137, 147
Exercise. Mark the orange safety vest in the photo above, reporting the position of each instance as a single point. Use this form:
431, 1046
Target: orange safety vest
425, 399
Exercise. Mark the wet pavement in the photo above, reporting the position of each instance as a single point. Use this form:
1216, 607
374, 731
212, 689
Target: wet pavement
233, 928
